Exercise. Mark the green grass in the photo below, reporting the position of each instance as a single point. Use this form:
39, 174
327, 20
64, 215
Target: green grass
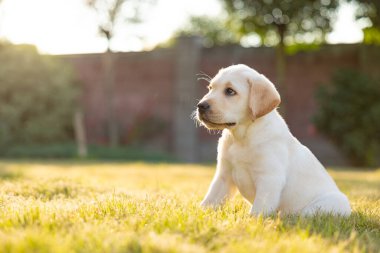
137, 207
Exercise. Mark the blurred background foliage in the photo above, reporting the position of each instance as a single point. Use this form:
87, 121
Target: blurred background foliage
349, 115
212, 30
38, 96
368, 9
266, 23
279, 22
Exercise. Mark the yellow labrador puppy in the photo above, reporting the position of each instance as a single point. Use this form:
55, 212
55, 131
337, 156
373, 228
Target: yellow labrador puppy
258, 155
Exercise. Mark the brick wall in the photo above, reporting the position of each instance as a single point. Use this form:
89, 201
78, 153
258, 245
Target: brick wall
148, 85
143, 87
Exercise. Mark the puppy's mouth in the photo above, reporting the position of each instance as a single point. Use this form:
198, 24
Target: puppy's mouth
214, 125
219, 124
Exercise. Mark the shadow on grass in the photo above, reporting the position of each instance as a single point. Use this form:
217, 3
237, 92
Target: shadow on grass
365, 228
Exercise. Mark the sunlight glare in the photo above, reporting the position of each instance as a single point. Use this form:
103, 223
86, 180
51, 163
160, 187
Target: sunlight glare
346, 29
53, 26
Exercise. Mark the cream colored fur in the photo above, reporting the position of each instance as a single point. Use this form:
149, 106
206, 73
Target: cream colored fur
258, 156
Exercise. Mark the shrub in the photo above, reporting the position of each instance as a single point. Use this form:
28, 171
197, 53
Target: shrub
350, 115
37, 97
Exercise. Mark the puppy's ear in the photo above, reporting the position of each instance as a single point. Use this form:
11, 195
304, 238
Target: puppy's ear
263, 96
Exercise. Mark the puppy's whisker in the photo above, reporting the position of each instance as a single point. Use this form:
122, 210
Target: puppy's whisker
194, 117
203, 73
203, 78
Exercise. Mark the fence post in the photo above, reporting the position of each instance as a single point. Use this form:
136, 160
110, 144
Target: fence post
188, 52
80, 134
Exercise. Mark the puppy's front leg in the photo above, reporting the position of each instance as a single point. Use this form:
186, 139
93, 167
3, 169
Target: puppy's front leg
268, 193
221, 188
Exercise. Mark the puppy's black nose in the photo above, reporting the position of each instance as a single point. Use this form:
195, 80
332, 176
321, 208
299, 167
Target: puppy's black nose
203, 107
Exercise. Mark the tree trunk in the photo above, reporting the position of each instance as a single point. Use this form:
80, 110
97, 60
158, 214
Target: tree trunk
281, 69
109, 92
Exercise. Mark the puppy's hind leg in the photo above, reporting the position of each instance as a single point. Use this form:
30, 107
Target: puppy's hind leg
335, 203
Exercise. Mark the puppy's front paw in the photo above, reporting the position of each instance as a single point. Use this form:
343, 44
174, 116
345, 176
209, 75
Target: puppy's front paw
205, 204
261, 213
202, 204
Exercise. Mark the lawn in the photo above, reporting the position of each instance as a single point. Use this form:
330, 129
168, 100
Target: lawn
140, 207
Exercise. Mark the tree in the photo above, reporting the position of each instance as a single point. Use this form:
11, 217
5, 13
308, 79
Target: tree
282, 22
211, 29
369, 10
110, 14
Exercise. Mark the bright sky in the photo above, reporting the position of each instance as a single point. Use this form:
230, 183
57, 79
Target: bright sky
65, 27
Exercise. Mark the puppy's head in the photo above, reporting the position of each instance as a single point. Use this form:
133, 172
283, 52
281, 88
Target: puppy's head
236, 94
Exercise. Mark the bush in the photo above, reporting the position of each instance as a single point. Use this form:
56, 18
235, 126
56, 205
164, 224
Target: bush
37, 97
350, 115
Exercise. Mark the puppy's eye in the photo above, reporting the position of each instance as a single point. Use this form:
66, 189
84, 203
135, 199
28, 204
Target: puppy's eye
229, 92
